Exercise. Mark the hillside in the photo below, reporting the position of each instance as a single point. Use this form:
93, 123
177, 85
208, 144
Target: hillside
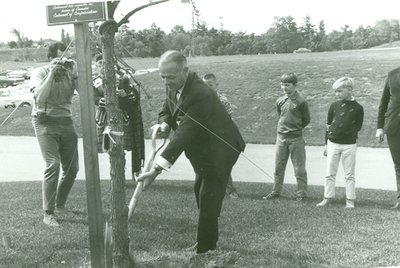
395, 44
252, 84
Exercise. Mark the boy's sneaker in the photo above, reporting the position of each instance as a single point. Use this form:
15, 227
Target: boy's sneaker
50, 220
324, 202
271, 195
349, 203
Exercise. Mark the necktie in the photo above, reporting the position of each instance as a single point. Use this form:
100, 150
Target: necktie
177, 95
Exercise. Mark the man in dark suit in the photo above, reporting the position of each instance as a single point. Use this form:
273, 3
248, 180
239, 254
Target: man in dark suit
389, 122
205, 132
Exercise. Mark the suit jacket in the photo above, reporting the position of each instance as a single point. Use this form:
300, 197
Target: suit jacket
389, 107
203, 128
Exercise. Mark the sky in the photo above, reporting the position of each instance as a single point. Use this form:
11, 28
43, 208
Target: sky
251, 16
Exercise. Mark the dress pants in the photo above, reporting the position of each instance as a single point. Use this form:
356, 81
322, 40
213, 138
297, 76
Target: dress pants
394, 147
209, 188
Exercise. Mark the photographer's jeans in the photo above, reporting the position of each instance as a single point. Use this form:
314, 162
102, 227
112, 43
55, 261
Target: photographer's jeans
58, 143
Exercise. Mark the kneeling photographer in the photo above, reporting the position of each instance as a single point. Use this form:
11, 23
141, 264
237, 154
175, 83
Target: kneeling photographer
53, 86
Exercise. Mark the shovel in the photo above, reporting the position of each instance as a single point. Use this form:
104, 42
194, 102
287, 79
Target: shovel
148, 164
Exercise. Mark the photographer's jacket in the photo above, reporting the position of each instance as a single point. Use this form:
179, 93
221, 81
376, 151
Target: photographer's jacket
54, 100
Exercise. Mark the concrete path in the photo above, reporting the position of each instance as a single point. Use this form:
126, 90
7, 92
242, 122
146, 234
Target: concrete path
21, 160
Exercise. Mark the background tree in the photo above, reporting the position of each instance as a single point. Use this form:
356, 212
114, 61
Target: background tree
283, 36
308, 33
22, 41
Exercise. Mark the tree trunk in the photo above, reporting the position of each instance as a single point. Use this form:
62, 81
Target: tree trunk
121, 256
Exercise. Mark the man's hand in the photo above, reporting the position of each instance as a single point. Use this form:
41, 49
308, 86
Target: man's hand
163, 130
148, 178
380, 135
325, 153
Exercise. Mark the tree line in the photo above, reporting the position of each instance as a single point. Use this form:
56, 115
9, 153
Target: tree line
284, 36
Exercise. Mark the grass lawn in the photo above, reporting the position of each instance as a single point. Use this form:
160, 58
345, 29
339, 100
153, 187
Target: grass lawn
253, 232
252, 85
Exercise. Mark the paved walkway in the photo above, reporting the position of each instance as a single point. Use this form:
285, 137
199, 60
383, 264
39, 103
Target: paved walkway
21, 160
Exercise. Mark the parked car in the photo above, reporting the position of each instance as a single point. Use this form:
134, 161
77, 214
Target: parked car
302, 50
11, 98
7, 81
25, 74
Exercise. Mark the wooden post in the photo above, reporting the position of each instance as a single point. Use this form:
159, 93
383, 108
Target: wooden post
85, 88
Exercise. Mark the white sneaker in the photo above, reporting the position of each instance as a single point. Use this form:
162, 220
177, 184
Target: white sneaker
50, 220
349, 203
324, 202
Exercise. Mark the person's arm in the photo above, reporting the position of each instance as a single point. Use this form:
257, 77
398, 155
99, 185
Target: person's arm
41, 83
383, 105
329, 120
278, 107
305, 111
360, 118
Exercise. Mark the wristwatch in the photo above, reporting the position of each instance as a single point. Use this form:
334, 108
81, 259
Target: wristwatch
158, 169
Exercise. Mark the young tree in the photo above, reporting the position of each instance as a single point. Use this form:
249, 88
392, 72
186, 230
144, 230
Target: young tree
119, 214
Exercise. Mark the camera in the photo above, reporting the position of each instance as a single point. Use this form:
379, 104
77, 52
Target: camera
61, 66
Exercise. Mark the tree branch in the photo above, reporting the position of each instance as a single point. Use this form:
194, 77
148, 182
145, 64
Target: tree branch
125, 19
112, 6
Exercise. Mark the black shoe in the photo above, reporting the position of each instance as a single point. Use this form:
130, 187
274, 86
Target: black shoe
397, 205
204, 251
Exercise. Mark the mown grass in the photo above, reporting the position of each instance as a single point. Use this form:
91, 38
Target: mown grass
252, 85
253, 232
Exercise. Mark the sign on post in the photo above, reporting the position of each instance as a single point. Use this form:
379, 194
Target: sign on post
80, 15
76, 13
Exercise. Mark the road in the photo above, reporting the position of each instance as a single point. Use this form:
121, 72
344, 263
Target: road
21, 160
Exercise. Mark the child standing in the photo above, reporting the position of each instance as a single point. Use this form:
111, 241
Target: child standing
345, 119
211, 80
294, 115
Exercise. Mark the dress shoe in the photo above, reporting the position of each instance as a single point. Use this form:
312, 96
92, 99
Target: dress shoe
397, 205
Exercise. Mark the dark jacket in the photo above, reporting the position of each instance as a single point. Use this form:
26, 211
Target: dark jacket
345, 119
205, 132
389, 107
